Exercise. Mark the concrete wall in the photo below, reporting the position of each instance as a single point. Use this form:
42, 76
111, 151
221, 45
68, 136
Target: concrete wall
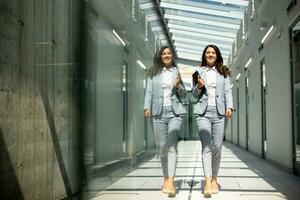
61, 71
276, 54
38, 95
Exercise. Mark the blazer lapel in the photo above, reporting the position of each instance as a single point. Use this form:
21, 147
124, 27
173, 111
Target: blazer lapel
203, 74
219, 83
159, 82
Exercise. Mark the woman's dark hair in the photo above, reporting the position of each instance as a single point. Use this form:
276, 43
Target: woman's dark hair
158, 65
222, 69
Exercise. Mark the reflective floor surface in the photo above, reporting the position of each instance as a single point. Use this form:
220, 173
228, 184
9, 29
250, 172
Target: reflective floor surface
242, 176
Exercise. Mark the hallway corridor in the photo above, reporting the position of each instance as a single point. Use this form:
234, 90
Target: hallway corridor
242, 176
74, 74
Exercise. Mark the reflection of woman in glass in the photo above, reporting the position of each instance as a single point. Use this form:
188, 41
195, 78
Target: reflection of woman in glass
214, 103
162, 101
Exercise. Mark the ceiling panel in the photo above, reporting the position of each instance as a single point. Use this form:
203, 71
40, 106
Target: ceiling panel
198, 48
202, 35
193, 24
203, 8
201, 30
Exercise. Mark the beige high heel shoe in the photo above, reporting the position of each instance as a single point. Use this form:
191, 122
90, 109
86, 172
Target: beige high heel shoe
171, 192
163, 188
215, 186
207, 192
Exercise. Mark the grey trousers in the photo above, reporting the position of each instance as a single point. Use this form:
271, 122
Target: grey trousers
166, 129
211, 133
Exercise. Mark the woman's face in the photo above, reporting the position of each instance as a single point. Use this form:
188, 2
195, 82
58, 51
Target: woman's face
210, 56
167, 57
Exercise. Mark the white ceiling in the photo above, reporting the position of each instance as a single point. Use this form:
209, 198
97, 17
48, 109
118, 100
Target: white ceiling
193, 24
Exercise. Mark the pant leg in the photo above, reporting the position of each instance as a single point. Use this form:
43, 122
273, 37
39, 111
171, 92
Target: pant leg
160, 126
217, 141
173, 132
204, 127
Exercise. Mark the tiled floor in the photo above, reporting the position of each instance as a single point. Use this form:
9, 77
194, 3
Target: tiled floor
241, 176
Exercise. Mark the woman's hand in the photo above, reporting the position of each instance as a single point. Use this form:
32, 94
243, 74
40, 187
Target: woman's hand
228, 113
147, 113
200, 83
176, 82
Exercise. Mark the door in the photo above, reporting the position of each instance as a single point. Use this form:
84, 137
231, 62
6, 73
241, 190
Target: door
238, 112
263, 107
247, 109
125, 104
295, 63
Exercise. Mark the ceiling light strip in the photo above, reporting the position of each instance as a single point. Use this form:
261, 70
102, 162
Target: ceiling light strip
248, 63
119, 38
267, 34
141, 64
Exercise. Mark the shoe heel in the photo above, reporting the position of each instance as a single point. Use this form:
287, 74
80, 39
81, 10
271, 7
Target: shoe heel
171, 194
207, 193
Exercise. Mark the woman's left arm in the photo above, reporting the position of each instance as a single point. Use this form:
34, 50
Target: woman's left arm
228, 94
181, 91
179, 87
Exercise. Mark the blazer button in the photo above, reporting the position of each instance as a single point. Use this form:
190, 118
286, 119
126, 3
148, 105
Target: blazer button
217, 96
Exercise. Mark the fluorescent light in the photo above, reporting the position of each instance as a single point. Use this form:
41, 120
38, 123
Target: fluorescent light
267, 34
141, 64
247, 64
119, 38
237, 77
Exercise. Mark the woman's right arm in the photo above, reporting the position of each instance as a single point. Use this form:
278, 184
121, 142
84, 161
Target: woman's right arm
148, 98
198, 88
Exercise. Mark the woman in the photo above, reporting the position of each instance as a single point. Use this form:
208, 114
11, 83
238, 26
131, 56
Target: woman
214, 103
162, 102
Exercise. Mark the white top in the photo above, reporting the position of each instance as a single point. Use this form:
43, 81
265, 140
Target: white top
211, 78
167, 85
